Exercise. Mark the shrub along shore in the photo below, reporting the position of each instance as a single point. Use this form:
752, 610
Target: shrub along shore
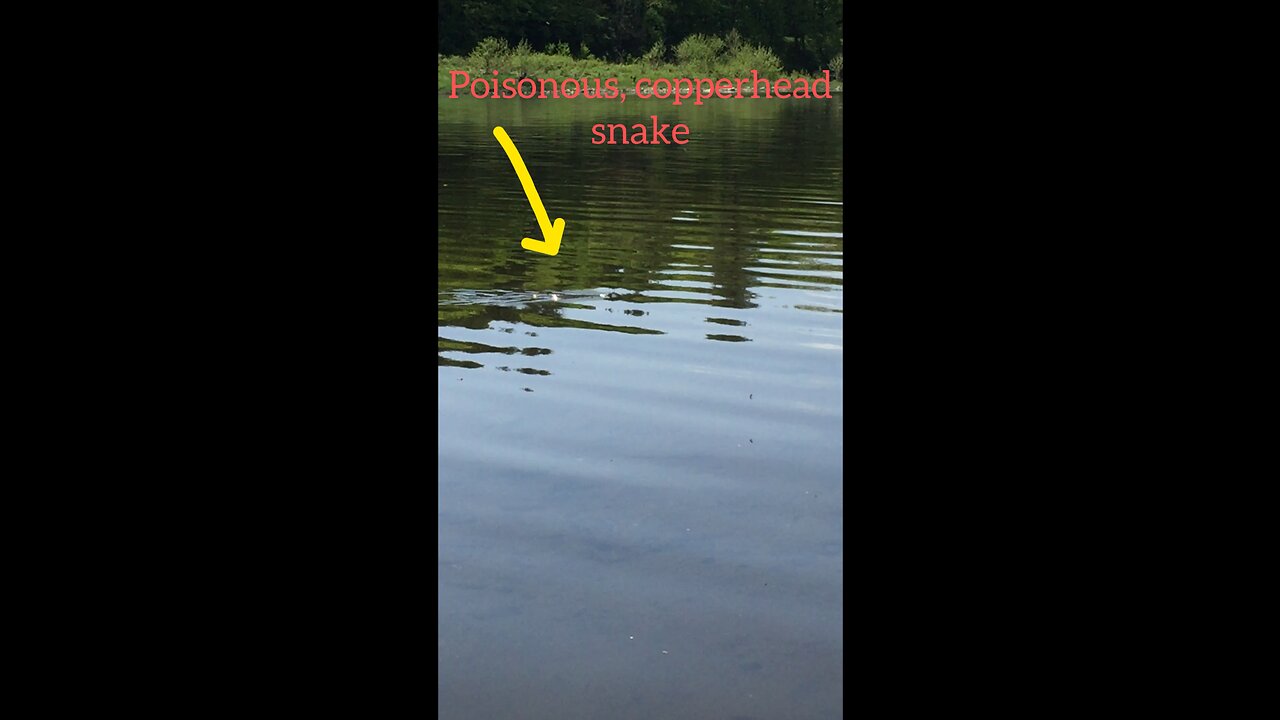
697, 56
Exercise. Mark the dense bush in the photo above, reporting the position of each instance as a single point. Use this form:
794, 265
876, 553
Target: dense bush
732, 40
656, 54
748, 58
699, 52
489, 54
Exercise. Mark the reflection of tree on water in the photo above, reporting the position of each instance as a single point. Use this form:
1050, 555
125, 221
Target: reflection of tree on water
696, 225
536, 315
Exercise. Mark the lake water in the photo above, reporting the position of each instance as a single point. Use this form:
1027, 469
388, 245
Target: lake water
641, 493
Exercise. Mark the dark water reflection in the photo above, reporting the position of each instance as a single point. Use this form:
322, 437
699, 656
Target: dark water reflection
640, 496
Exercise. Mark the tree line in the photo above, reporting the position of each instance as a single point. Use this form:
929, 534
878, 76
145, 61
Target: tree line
804, 34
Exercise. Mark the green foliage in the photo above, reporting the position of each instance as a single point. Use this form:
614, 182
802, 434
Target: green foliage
699, 52
520, 56
733, 40
558, 48
747, 58
655, 28
655, 54
837, 66
490, 54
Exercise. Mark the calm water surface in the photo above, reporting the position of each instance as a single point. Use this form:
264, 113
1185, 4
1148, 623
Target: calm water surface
640, 495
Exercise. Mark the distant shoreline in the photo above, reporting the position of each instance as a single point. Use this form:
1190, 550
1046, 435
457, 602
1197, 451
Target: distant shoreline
836, 89
652, 86
696, 58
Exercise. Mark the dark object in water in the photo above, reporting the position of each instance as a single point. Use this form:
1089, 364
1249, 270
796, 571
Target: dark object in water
519, 298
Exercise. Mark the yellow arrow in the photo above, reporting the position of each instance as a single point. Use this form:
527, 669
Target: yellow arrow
553, 232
